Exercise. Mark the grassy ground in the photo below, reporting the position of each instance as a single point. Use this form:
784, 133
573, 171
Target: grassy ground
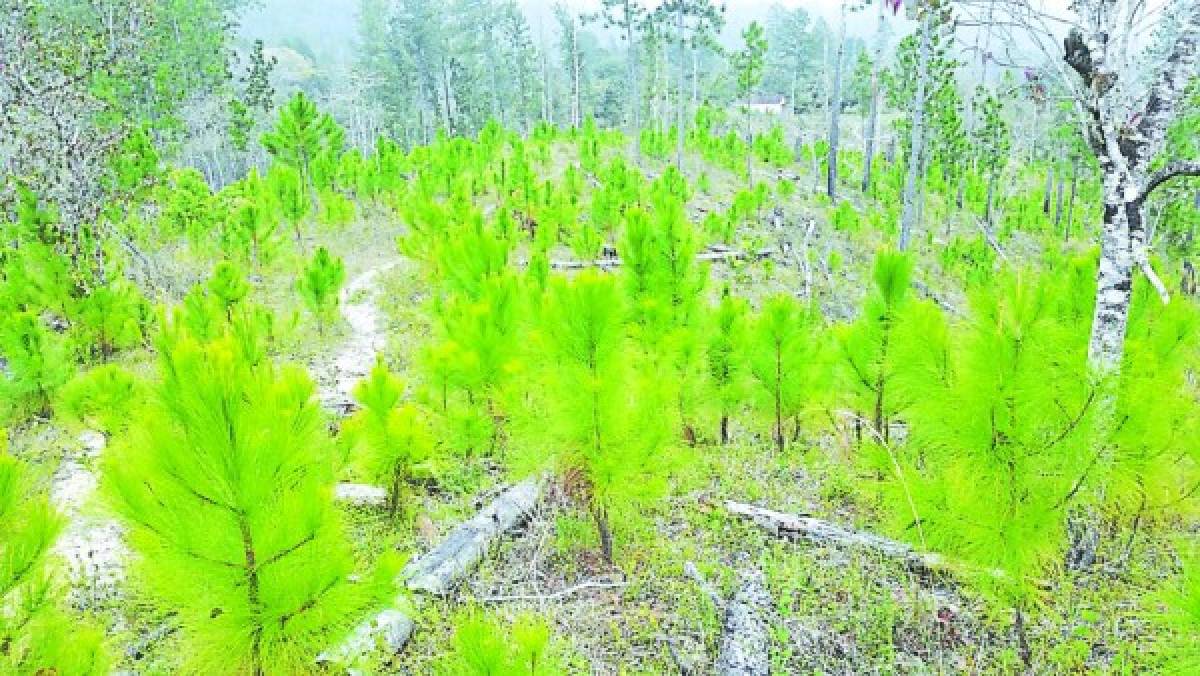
834, 611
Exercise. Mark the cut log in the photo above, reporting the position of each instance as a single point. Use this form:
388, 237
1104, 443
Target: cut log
360, 495
382, 635
437, 572
796, 526
712, 255
440, 570
745, 639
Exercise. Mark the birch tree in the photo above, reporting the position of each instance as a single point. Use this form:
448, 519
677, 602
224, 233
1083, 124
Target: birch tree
1124, 119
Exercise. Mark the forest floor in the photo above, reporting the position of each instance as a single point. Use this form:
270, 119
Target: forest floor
834, 610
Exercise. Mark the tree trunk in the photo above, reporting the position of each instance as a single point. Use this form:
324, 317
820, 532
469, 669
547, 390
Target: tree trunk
1114, 277
1047, 194
872, 126
634, 90
908, 215
835, 110
1071, 201
1058, 202
681, 102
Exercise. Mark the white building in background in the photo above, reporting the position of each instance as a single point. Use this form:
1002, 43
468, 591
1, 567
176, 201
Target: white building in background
773, 105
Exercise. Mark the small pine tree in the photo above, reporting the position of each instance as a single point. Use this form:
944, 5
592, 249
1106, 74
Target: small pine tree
226, 490
319, 286
485, 647
604, 427
782, 351
726, 354
228, 286
37, 637
395, 437
868, 347
1179, 619
103, 398
38, 364
109, 318
307, 141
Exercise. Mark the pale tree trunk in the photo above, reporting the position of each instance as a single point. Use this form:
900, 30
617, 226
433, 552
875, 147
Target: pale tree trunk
835, 110
576, 99
681, 102
1125, 155
912, 192
634, 90
873, 110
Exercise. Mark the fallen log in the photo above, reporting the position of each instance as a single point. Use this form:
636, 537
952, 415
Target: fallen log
440, 570
360, 495
797, 526
437, 572
745, 639
713, 255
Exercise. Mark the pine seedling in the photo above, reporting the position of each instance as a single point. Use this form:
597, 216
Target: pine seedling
319, 286
782, 351
288, 191
726, 359
225, 489
38, 364
228, 287
253, 221
485, 647
1000, 442
103, 398
308, 142
109, 318
600, 424
394, 436
868, 350
36, 635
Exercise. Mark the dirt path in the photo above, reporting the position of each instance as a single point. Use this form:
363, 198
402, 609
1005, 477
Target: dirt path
356, 356
91, 544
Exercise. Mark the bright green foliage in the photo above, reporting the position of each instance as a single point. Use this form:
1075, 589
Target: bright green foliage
186, 205
306, 140
319, 285
253, 223
226, 488
783, 352
845, 218
288, 190
1156, 456
394, 437
37, 636
485, 647
725, 354
228, 286
868, 348
1000, 436
108, 319
103, 398
38, 363
594, 419
1180, 617
33, 629
662, 279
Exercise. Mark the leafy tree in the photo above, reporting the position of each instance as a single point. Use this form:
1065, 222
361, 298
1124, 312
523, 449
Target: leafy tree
38, 637
319, 285
990, 141
226, 490
782, 352
394, 435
